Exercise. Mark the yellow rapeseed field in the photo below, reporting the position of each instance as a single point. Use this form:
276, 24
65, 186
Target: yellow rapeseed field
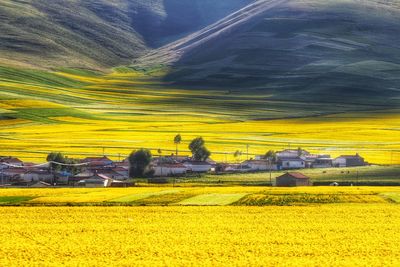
329, 235
123, 111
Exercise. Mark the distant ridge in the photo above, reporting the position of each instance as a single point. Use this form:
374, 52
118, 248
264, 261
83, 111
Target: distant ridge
174, 51
324, 51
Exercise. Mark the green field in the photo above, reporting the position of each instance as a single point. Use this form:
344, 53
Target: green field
355, 175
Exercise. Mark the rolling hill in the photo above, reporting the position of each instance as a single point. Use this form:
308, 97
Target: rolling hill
311, 51
98, 33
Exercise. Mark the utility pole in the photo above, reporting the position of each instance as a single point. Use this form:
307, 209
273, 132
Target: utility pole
270, 171
104, 153
2, 174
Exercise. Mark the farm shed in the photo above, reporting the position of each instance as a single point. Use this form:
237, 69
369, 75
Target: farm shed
349, 161
293, 179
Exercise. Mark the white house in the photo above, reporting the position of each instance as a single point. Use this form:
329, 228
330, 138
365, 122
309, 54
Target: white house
169, 169
98, 180
291, 163
260, 165
197, 166
291, 153
349, 161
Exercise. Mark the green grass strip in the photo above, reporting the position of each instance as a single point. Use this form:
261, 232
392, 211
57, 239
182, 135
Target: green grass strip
134, 197
212, 199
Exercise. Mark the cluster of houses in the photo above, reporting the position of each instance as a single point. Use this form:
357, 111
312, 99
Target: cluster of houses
102, 171
295, 159
94, 171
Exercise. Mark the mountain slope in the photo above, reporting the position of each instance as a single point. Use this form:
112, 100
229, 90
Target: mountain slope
327, 51
97, 33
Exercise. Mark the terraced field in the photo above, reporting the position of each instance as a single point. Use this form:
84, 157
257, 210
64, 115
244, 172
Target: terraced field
83, 113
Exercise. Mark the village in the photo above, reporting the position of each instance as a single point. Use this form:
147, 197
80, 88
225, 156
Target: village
101, 171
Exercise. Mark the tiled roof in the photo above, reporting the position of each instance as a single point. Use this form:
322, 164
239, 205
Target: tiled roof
297, 175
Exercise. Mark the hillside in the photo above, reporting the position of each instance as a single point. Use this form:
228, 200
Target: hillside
320, 51
98, 33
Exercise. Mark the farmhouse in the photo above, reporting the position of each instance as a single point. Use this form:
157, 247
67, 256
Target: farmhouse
349, 161
197, 166
260, 165
112, 173
322, 162
293, 179
291, 163
38, 175
7, 161
98, 180
12, 174
292, 153
169, 169
96, 162
121, 172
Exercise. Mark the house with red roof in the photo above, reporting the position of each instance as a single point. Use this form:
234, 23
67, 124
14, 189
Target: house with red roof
293, 179
98, 162
9, 162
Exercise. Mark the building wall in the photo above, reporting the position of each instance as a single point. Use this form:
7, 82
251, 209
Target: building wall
168, 171
287, 180
353, 162
339, 162
287, 164
37, 177
303, 182
198, 168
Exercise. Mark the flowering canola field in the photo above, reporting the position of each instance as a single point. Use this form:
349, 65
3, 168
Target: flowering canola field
81, 113
328, 235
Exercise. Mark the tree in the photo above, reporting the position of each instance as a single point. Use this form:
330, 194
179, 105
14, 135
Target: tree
177, 141
198, 149
139, 162
66, 164
270, 155
237, 154
299, 151
55, 157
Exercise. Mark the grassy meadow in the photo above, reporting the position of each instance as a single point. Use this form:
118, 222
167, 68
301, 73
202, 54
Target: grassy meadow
81, 112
